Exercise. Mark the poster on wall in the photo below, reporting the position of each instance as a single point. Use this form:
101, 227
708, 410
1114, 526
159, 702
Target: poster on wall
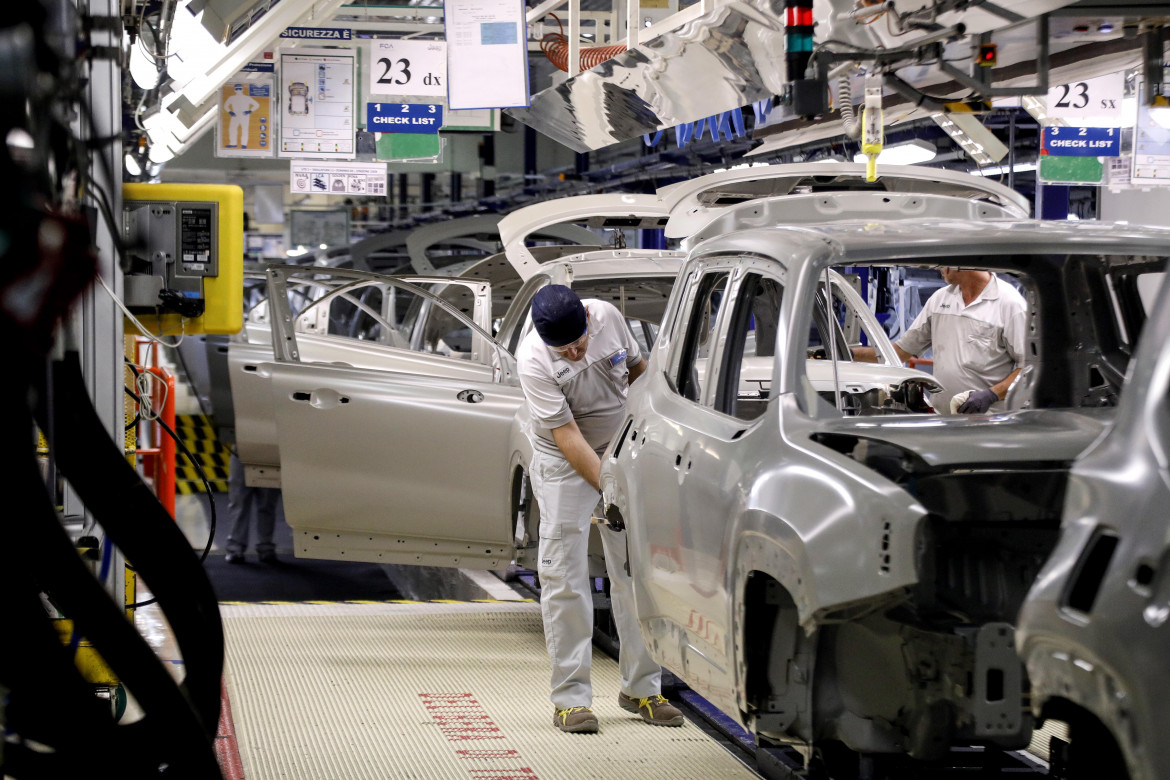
245, 127
487, 54
1151, 143
317, 93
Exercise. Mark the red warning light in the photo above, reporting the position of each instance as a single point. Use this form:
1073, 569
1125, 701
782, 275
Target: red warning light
987, 54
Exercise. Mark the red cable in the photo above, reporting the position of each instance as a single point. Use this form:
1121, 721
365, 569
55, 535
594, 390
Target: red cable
556, 48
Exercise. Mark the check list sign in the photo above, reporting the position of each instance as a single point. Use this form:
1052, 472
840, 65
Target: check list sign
403, 117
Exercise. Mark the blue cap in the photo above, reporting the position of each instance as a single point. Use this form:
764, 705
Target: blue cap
558, 315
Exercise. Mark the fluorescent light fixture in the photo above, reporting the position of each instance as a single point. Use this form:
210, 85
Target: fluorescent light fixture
132, 165
910, 153
142, 68
18, 138
1038, 109
999, 170
979, 143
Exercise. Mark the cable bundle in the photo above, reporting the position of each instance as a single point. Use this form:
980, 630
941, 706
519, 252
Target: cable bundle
556, 47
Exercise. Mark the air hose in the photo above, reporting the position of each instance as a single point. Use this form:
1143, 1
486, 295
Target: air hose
556, 47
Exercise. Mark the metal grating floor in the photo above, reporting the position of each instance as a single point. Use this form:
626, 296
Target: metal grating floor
450, 691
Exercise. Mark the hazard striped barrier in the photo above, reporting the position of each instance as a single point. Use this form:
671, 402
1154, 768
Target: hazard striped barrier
198, 433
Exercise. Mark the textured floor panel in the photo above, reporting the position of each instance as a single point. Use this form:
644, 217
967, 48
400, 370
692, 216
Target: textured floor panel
417, 692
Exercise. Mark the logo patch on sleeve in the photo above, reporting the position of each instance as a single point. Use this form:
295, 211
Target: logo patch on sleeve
617, 357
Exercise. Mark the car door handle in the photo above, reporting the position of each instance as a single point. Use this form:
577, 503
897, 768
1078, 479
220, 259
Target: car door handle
320, 399
470, 396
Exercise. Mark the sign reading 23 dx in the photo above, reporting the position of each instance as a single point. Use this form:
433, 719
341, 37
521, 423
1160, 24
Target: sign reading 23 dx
407, 68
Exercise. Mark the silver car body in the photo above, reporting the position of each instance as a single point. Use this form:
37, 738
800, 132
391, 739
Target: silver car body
789, 567
289, 374
1093, 630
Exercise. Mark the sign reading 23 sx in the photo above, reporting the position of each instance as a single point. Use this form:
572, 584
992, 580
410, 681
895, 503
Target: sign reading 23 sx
403, 117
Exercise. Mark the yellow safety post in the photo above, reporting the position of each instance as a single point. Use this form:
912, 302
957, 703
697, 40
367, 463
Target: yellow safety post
872, 134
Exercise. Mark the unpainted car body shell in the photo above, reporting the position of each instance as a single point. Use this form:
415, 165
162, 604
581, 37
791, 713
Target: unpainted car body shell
1093, 630
710, 500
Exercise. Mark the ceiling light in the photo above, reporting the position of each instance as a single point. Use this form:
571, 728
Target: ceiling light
915, 151
18, 138
999, 170
979, 143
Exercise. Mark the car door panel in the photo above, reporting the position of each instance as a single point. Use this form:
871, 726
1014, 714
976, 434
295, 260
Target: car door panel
395, 467
256, 445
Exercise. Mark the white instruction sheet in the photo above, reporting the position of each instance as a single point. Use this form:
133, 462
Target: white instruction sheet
487, 54
317, 103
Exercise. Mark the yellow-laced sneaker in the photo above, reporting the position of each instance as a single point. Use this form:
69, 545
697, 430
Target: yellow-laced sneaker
655, 710
576, 720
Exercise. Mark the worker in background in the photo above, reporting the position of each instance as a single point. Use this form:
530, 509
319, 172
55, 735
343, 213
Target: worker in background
575, 369
245, 506
975, 325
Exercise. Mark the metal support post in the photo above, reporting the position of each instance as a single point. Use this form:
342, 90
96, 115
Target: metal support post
574, 37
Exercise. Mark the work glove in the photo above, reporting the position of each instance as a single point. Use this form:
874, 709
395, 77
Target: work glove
978, 402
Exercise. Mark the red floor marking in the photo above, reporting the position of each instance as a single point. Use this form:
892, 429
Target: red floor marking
461, 718
227, 750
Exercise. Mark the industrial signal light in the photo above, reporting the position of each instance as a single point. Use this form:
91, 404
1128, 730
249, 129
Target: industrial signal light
987, 53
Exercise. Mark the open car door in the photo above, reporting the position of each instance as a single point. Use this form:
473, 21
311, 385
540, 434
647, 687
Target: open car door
396, 461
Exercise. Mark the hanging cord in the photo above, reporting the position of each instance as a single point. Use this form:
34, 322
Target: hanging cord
556, 48
191, 459
141, 328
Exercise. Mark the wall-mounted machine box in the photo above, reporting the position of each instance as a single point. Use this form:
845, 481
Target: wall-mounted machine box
183, 270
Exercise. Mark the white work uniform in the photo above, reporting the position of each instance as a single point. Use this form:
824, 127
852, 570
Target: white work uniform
241, 106
591, 391
975, 346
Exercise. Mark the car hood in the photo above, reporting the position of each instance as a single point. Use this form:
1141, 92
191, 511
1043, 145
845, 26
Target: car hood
1010, 438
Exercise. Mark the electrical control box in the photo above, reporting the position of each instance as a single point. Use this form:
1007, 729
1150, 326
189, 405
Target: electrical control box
184, 256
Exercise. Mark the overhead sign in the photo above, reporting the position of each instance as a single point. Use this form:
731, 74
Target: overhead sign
337, 178
1098, 99
407, 68
1081, 141
317, 103
403, 117
487, 59
317, 33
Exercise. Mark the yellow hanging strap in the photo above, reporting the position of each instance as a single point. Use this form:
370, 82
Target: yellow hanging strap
872, 136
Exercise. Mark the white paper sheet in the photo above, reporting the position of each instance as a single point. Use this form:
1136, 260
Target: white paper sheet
487, 54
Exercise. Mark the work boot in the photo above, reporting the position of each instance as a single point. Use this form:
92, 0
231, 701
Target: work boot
234, 557
576, 720
655, 710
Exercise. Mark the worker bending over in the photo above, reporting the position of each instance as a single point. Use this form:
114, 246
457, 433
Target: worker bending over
575, 368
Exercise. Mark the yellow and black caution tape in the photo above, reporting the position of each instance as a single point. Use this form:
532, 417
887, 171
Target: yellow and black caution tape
198, 434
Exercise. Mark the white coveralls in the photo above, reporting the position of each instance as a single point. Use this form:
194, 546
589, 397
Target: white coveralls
976, 345
591, 391
240, 106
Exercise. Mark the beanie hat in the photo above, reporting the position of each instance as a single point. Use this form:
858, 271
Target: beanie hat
558, 315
